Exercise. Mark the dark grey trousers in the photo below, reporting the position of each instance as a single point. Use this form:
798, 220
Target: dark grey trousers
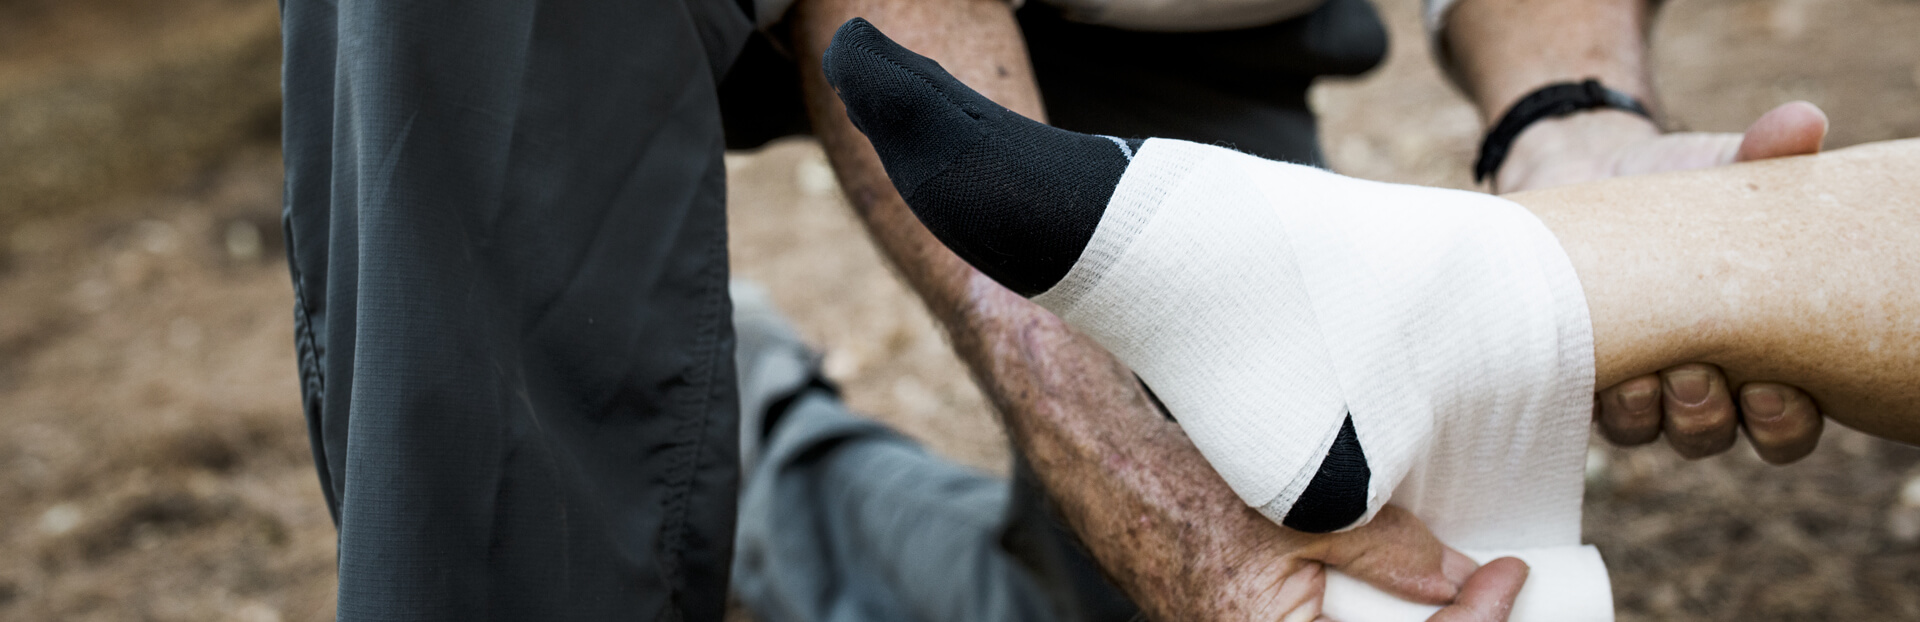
505, 226
506, 229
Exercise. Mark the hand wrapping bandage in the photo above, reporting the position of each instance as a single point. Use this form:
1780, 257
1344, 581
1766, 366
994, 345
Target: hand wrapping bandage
1328, 343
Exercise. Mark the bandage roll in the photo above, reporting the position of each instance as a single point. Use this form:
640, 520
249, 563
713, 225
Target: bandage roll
1564, 584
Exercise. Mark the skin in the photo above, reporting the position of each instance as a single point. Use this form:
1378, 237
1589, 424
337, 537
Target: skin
1166, 528
1793, 270
1501, 50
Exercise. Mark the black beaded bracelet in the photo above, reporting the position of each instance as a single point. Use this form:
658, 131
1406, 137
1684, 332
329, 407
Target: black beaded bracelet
1553, 100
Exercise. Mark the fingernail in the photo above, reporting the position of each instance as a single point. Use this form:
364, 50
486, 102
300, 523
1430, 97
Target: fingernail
1687, 386
1638, 398
1763, 403
1457, 566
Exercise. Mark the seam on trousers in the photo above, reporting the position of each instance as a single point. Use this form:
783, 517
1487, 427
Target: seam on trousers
313, 383
674, 527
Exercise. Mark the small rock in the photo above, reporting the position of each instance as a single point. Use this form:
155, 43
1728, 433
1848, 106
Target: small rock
1903, 519
1910, 493
815, 177
156, 236
59, 519
256, 612
842, 365
243, 241
1597, 463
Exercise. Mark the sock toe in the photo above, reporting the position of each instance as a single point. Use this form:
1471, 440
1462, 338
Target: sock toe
1014, 197
894, 93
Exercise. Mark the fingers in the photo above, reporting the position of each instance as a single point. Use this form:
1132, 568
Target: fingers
1630, 411
1693, 406
1782, 422
1489, 594
1396, 553
1700, 418
1306, 585
1793, 128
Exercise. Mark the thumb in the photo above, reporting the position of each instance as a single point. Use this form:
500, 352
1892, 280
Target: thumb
1793, 128
1489, 595
1396, 553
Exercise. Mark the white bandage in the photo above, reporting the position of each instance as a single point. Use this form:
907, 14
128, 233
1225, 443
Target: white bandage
1263, 302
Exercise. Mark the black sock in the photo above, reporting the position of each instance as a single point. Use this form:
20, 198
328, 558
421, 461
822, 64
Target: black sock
1337, 496
1016, 198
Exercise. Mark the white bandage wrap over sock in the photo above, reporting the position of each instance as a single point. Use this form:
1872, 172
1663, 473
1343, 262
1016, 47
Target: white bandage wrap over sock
1263, 302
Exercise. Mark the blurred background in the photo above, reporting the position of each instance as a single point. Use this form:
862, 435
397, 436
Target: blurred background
153, 458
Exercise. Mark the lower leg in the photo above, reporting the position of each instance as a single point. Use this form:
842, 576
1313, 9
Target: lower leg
1798, 270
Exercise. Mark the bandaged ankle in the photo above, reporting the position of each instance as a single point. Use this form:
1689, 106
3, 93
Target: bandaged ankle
1268, 303
1017, 199
1327, 343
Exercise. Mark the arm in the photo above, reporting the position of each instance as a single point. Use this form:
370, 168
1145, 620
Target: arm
1164, 525
1799, 269
1501, 50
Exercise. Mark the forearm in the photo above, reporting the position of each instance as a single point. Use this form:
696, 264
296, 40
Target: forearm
1799, 270
1501, 50
1141, 496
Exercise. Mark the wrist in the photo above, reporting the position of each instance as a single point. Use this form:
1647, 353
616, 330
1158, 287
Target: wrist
1586, 139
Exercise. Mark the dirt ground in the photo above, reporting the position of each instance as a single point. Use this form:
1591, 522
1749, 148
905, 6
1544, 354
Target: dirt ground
154, 464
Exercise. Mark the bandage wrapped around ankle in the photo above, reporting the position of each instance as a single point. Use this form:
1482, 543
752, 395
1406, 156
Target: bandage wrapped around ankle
1271, 305
1327, 343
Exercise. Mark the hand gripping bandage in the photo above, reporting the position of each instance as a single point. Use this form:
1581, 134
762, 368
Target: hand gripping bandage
1265, 303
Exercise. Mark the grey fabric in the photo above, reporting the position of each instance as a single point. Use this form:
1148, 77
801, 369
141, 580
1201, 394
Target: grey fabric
844, 520
506, 231
772, 362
